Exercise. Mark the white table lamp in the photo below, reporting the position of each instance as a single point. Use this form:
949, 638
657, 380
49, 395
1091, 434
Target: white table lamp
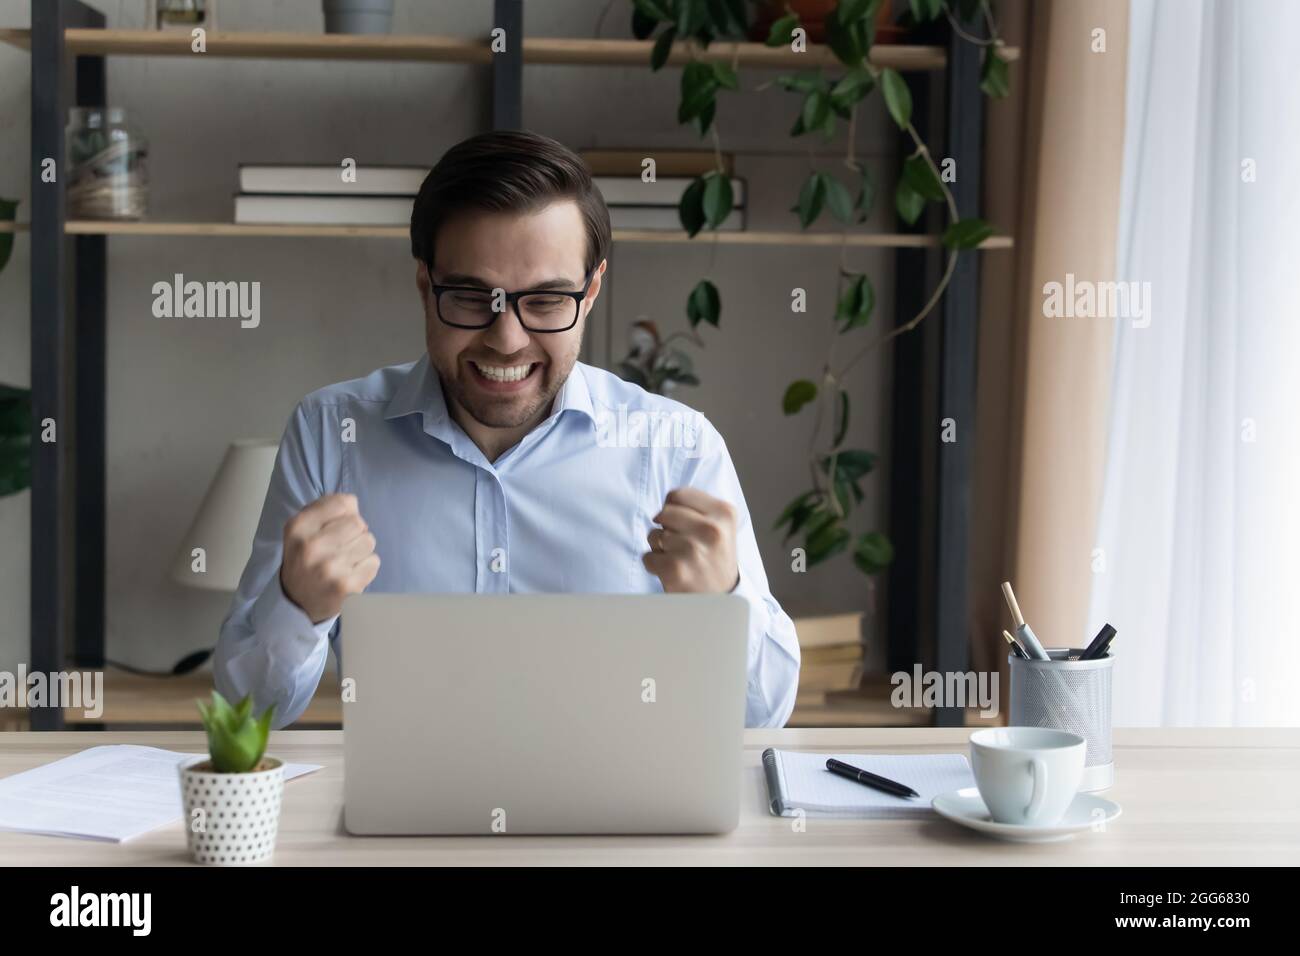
227, 520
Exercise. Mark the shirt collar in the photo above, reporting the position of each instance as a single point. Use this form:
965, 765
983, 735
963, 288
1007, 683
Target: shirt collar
574, 395
418, 392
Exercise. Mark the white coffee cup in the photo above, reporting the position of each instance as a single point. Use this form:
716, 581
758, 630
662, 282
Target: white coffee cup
1027, 775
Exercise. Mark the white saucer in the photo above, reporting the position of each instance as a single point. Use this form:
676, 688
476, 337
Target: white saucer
967, 808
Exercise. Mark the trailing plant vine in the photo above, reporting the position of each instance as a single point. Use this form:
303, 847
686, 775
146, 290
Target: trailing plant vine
835, 472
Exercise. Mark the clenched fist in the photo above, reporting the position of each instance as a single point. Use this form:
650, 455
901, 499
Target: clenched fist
329, 553
695, 547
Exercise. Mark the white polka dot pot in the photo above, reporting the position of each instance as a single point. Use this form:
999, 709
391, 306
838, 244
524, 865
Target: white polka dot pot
231, 818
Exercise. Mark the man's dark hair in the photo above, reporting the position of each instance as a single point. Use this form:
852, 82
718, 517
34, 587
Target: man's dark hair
508, 171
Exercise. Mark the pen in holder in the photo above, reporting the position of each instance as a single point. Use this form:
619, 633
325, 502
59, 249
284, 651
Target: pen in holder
1068, 695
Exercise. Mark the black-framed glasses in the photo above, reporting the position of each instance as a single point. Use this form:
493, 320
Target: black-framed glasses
473, 307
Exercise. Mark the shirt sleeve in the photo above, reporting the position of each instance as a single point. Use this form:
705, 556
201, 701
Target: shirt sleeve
773, 656
268, 646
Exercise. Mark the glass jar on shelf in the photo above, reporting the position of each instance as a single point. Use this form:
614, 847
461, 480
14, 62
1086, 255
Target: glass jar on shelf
182, 14
108, 171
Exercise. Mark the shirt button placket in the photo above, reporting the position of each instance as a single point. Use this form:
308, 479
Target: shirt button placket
493, 575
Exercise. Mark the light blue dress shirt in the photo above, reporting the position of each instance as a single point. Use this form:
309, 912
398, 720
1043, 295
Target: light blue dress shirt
567, 509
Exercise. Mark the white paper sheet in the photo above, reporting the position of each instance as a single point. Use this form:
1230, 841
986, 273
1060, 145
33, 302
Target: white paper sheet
111, 793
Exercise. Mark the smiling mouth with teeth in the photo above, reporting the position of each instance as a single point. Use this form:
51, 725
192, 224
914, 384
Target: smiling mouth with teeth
504, 373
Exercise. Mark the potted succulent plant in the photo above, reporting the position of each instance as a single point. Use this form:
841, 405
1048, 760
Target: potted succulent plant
232, 798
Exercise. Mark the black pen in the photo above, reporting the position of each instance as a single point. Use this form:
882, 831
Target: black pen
1015, 646
868, 779
1098, 643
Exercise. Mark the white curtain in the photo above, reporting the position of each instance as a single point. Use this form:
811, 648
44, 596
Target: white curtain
1198, 560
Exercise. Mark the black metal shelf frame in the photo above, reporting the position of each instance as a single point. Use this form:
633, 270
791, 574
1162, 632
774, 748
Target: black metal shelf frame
931, 534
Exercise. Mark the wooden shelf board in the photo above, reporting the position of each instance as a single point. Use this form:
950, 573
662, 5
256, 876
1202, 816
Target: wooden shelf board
86, 227
870, 706
90, 227
271, 46
579, 52
877, 240
131, 699
450, 49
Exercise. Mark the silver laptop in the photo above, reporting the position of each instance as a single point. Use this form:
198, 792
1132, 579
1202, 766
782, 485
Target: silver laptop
514, 714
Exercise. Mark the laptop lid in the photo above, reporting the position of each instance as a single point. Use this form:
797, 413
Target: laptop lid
547, 713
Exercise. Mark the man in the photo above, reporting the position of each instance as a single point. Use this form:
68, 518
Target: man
497, 462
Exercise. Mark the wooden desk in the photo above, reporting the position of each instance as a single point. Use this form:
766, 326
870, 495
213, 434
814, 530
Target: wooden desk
1204, 797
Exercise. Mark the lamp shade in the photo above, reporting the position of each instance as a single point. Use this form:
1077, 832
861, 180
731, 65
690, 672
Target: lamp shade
227, 520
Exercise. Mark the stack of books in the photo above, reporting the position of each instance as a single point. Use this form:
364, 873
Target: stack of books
831, 649
636, 204
383, 195
328, 195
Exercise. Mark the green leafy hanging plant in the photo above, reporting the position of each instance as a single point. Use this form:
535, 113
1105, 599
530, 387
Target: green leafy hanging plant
819, 514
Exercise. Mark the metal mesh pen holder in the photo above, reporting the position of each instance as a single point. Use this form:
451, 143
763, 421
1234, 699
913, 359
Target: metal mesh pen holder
1068, 695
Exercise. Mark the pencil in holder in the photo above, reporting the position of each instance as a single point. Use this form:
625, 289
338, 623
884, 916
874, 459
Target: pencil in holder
1068, 695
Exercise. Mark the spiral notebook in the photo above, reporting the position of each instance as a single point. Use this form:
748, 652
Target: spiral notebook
800, 781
